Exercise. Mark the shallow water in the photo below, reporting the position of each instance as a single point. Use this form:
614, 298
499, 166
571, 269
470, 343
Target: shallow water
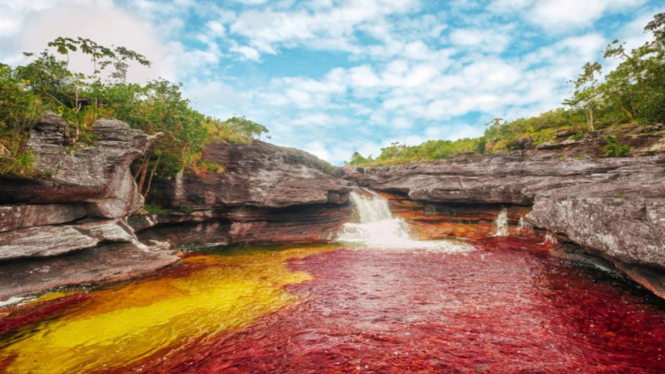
504, 307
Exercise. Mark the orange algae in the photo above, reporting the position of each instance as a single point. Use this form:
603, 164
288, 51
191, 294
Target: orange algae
126, 323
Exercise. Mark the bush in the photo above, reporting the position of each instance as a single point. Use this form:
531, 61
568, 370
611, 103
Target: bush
614, 149
46, 83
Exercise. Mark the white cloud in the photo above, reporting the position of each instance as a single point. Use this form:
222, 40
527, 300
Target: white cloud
216, 28
489, 40
400, 123
389, 72
318, 149
13, 13
557, 14
560, 16
319, 27
100, 21
248, 53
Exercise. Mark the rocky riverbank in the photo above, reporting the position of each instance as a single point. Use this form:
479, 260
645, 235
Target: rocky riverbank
67, 225
80, 219
266, 193
611, 207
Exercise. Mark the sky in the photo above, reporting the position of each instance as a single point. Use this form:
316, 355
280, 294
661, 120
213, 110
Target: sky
337, 76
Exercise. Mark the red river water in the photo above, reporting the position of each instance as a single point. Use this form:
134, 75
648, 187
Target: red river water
506, 308
391, 305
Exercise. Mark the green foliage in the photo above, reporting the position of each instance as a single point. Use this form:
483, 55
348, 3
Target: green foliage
614, 149
481, 145
245, 127
210, 167
157, 107
631, 94
358, 160
235, 130
20, 109
154, 209
431, 150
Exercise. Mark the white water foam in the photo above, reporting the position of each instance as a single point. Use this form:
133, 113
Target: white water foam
524, 225
12, 300
502, 224
377, 228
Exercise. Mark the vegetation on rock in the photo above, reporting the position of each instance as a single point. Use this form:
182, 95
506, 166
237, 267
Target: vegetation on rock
614, 149
631, 94
157, 107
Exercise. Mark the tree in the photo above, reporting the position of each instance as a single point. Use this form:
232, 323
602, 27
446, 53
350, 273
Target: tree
587, 90
245, 127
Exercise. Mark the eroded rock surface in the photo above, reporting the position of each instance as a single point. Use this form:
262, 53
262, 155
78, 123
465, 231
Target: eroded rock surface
109, 263
266, 193
613, 207
257, 174
72, 214
623, 219
97, 174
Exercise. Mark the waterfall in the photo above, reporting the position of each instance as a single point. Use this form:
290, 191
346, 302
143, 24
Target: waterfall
550, 238
376, 227
502, 223
524, 225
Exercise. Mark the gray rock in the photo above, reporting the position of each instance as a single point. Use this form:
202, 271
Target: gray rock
56, 240
257, 174
111, 263
14, 217
614, 207
96, 174
624, 220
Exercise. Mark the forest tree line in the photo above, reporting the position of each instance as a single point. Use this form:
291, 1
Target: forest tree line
631, 94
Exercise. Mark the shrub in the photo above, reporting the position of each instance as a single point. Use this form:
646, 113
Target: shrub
614, 149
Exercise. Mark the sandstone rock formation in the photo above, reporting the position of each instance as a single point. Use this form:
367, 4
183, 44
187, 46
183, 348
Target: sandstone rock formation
612, 207
71, 216
96, 175
266, 193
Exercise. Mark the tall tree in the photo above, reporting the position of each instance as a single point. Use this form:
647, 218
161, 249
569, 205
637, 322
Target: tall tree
587, 90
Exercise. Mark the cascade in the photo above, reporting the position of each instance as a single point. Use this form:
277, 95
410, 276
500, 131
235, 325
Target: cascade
550, 238
524, 225
502, 223
376, 227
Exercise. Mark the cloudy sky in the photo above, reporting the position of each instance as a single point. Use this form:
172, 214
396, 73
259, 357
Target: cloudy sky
338, 76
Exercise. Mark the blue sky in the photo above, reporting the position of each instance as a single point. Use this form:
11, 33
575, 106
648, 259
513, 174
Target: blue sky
337, 76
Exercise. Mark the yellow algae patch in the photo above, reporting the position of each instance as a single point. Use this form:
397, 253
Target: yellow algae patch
125, 323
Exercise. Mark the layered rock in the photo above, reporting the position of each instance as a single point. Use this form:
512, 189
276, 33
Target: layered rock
71, 216
96, 175
612, 207
256, 174
266, 193
433, 220
108, 263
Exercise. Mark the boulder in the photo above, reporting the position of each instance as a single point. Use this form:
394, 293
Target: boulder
55, 240
257, 174
623, 219
96, 174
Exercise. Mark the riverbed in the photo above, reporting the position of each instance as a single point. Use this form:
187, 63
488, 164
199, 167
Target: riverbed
503, 305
